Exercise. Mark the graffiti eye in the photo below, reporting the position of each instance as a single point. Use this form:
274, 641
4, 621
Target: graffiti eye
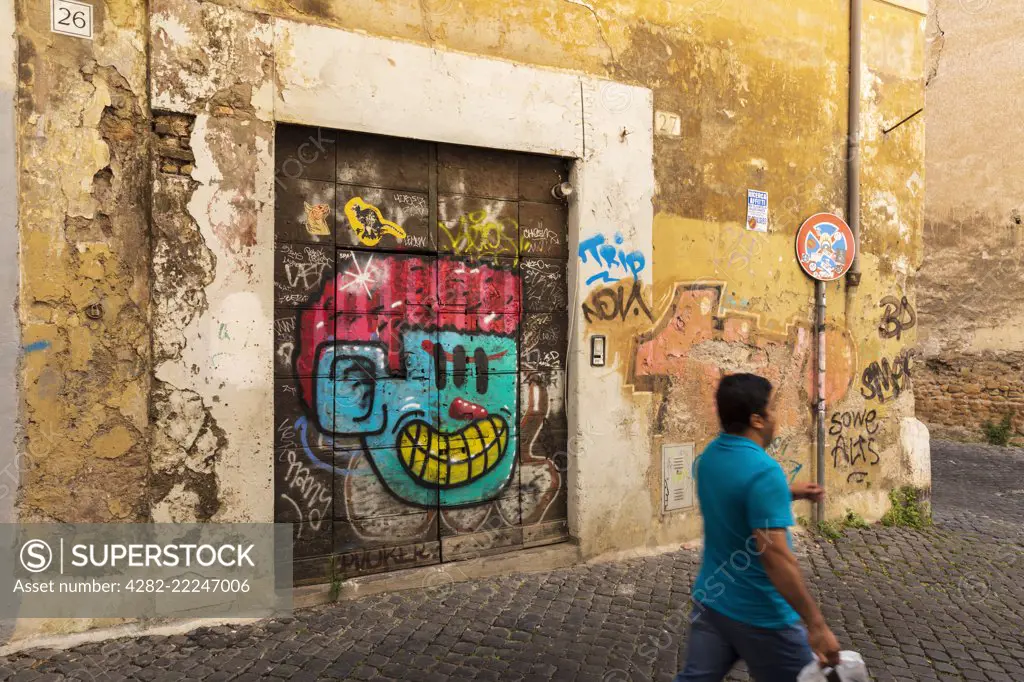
480, 360
440, 366
459, 362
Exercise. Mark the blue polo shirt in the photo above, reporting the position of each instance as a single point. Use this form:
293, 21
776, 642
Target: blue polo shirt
740, 488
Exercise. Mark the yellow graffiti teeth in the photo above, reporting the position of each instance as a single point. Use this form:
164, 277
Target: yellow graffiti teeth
447, 461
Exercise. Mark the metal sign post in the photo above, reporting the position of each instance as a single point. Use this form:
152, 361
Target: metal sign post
819, 326
825, 248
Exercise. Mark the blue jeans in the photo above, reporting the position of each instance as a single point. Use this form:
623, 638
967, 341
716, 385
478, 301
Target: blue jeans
717, 642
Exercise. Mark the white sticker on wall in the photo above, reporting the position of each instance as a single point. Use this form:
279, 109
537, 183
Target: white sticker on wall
71, 18
667, 123
757, 211
677, 476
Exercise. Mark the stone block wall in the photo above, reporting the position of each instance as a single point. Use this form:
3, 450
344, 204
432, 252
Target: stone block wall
961, 392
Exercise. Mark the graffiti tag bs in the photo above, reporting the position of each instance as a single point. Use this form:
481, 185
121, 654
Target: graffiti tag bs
611, 259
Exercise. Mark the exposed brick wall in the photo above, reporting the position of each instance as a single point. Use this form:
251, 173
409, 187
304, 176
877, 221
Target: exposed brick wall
174, 134
964, 391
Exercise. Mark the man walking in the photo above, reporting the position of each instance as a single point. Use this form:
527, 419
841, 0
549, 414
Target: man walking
750, 596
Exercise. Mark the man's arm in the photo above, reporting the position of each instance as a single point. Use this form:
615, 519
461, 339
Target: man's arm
783, 570
807, 491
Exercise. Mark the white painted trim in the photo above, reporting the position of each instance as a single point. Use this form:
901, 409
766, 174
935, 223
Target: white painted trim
351, 81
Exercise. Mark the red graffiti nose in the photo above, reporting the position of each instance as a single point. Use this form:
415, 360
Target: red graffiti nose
463, 409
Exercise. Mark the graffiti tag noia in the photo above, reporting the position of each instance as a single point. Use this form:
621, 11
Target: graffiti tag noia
612, 303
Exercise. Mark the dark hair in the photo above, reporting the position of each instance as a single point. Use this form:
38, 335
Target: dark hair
739, 397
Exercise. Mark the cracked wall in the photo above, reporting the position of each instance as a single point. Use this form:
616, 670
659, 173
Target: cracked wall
972, 327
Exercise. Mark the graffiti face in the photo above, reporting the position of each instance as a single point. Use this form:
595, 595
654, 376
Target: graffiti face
432, 396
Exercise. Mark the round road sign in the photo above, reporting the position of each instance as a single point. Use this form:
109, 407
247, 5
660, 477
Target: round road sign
825, 246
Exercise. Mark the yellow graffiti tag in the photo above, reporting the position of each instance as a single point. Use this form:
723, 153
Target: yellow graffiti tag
478, 235
316, 219
369, 224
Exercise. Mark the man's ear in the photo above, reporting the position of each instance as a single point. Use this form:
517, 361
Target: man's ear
756, 422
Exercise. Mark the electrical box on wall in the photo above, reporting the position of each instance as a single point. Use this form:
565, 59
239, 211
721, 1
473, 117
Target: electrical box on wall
597, 351
677, 476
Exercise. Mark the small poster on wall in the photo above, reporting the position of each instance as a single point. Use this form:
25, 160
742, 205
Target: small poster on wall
757, 211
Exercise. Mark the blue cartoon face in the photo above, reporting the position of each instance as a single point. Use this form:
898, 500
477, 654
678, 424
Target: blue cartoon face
445, 433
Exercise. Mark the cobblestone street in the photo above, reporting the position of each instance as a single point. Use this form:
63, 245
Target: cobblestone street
944, 603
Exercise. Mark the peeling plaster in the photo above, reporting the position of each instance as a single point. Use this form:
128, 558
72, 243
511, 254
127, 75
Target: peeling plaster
221, 365
83, 227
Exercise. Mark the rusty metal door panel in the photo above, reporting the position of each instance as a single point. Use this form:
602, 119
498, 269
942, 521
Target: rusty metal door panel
480, 348
538, 175
542, 230
290, 414
300, 273
416, 528
286, 332
304, 481
385, 162
390, 346
474, 172
384, 219
545, 344
385, 282
369, 559
304, 212
545, 285
544, 457
465, 546
363, 495
304, 152
490, 528
477, 287
547, 520
473, 228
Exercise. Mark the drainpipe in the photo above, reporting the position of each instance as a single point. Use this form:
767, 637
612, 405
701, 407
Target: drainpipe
853, 220
853, 141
